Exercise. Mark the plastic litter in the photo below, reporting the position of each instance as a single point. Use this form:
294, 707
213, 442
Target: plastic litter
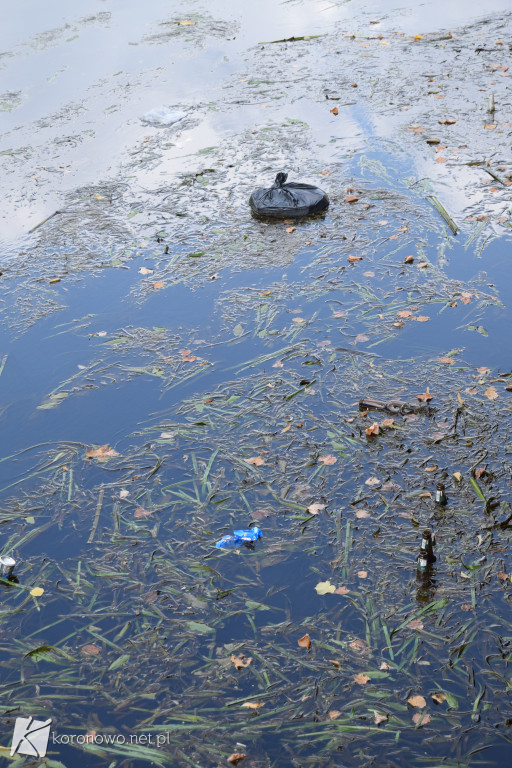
237, 538
249, 534
284, 201
7, 565
163, 116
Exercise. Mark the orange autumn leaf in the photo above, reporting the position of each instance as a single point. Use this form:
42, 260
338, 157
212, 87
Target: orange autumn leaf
236, 758
305, 642
256, 461
417, 701
350, 198
425, 397
421, 718
373, 430
334, 111
241, 661
156, 286
352, 258
328, 459
404, 313
341, 591
387, 422
491, 393
141, 513
361, 679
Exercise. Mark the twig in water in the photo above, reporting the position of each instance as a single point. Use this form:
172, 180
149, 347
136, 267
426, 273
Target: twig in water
44, 221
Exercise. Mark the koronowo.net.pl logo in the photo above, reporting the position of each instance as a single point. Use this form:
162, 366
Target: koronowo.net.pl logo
30, 737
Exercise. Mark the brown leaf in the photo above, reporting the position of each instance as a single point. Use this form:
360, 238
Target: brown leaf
491, 393
146, 271
241, 661
440, 159
431, 469
354, 258
372, 482
236, 758
387, 422
502, 575
438, 697
417, 701
423, 265
328, 459
362, 574
446, 122
425, 397
466, 607
483, 370
315, 509
186, 23
373, 430
333, 714
409, 259
103, 452
361, 337
466, 298
257, 461
362, 514
479, 472
334, 111
158, 285
446, 360
351, 198
361, 679
359, 645
384, 666
335, 663
415, 624
341, 591
186, 356
90, 650
290, 229
141, 514
378, 718
404, 313
421, 719
253, 704
422, 319
305, 641
490, 127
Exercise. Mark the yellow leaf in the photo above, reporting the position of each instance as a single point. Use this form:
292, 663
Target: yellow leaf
325, 588
417, 701
361, 679
491, 393
241, 661
253, 704
186, 23
37, 592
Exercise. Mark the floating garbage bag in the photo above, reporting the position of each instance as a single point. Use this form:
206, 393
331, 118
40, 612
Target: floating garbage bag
163, 116
285, 201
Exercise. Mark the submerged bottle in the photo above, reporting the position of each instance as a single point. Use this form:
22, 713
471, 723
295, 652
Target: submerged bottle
428, 543
422, 561
440, 497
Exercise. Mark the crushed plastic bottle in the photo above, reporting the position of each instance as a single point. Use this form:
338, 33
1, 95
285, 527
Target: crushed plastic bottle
7, 565
228, 541
163, 116
249, 534
237, 538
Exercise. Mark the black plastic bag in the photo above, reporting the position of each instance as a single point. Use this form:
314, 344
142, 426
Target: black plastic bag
285, 201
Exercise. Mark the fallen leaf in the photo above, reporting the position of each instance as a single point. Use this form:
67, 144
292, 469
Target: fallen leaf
90, 650
146, 271
440, 159
387, 422
362, 574
479, 472
362, 514
328, 459
236, 758
256, 461
373, 430
446, 360
483, 370
466, 607
438, 697
384, 666
404, 313
37, 591
501, 575
457, 476
491, 393
446, 122
339, 313
124, 494
315, 509
361, 337
354, 258
253, 704
240, 661
186, 356
298, 320
431, 469
361, 679
335, 663
422, 319
466, 298
333, 714
305, 642
158, 285
325, 588
490, 127
409, 259
417, 701
103, 452
423, 265
421, 719
141, 513
378, 718
277, 364
334, 111
341, 591
372, 482
425, 397
415, 624
350, 198
187, 23
359, 645
290, 229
